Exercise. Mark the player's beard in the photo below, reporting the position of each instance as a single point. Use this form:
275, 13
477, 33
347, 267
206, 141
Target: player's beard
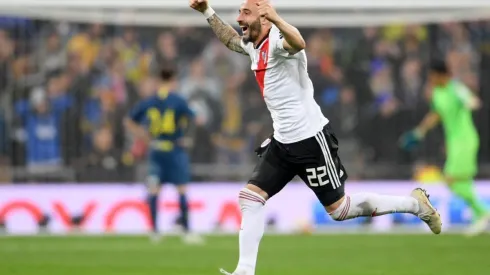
254, 30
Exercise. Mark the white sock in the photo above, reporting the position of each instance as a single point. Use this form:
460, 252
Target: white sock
252, 230
369, 204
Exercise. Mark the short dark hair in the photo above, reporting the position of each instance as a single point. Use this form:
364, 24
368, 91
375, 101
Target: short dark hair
167, 73
439, 66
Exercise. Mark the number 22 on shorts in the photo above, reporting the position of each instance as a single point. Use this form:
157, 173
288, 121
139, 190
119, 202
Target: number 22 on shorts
316, 177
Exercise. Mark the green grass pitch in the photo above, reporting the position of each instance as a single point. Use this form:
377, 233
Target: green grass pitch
279, 255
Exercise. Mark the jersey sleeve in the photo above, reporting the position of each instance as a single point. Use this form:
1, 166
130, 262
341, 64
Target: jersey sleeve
277, 42
186, 110
432, 104
464, 94
247, 47
137, 114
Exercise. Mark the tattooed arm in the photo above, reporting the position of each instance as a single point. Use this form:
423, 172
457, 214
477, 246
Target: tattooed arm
225, 33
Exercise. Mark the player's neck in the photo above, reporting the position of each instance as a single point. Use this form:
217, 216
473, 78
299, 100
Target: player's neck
164, 89
262, 38
446, 82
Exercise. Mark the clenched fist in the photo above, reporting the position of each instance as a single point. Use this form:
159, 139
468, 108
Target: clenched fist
199, 5
267, 11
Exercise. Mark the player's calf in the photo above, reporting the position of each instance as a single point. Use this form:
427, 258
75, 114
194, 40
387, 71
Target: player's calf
153, 186
184, 206
252, 200
370, 204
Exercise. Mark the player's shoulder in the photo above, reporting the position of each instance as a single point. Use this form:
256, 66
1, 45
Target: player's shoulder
275, 33
149, 101
177, 98
458, 85
248, 46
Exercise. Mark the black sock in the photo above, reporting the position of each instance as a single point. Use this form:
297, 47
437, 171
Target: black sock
153, 205
184, 211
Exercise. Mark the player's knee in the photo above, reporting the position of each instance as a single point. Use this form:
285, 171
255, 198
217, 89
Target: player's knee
251, 197
254, 188
449, 180
335, 209
153, 185
182, 189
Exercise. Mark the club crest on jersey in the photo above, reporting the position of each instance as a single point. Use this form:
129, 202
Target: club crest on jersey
264, 57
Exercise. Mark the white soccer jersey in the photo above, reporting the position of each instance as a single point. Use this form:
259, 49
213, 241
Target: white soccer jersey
286, 88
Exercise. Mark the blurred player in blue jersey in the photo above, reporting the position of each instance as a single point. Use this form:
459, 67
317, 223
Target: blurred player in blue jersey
162, 120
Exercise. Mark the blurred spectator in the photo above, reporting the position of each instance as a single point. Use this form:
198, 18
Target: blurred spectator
3, 139
411, 84
385, 143
6, 50
382, 82
396, 32
25, 77
223, 65
229, 141
113, 81
107, 54
325, 75
166, 52
87, 44
42, 119
105, 162
198, 82
359, 67
129, 50
51, 56
345, 120
103, 111
190, 41
369, 82
256, 120
80, 79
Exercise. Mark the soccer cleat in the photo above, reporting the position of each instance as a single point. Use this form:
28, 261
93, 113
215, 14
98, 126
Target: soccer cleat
192, 239
155, 237
479, 226
234, 273
224, 272
427, 212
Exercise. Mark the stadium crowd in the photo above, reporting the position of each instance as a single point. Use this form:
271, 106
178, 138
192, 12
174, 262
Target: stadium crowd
65, 88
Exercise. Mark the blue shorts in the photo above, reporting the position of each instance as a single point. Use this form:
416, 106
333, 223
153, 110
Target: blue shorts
169, 167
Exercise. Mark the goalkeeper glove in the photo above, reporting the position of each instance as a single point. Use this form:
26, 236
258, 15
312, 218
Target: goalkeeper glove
411, 140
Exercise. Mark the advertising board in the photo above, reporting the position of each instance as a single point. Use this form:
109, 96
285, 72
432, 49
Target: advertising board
121, 208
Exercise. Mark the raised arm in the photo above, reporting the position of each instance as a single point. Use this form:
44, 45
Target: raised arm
225, 33
293, 40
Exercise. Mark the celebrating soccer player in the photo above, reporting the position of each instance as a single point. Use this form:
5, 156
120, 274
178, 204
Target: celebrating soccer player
452, 104
303, 143
161, 120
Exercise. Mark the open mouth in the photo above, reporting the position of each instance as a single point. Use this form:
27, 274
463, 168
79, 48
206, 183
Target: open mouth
244, 29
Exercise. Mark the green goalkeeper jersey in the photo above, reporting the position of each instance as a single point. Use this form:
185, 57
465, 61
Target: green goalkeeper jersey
451, 103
